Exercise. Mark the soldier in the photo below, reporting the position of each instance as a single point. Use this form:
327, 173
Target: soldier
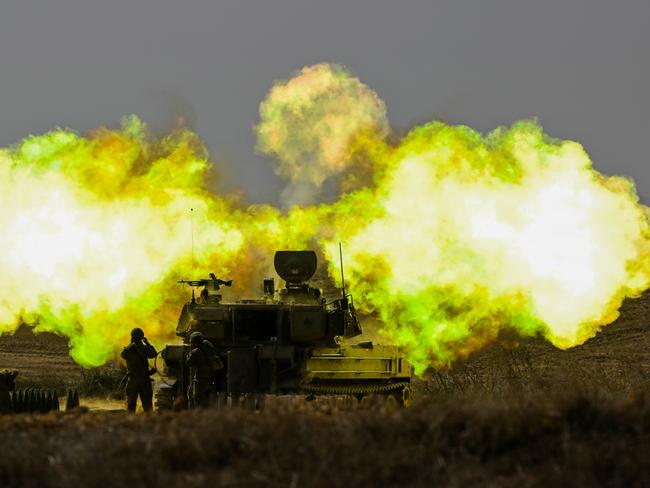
137, 355
7, 384
204, 363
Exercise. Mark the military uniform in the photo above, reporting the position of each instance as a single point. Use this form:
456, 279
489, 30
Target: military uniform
203, 362
7, 384
137, 355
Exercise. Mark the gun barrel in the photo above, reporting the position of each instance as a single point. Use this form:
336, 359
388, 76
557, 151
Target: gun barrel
195, 282
215, 282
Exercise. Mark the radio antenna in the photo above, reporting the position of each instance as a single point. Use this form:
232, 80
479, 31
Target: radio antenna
192, 230
342, 276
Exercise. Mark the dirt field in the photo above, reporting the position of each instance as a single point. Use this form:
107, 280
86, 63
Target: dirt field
42, 357
522, 416
615, 362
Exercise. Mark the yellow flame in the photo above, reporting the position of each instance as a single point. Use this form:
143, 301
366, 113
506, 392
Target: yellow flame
92, 226
479, 235
450, 237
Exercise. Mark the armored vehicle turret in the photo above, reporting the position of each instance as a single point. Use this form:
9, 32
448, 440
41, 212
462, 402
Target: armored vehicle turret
287, 341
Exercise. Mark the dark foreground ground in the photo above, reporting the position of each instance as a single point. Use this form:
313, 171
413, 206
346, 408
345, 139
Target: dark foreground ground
567, 440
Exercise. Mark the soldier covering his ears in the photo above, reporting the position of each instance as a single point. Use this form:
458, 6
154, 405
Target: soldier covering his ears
204, 363
137, 355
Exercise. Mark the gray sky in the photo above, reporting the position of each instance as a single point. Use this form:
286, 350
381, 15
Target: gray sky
581, 67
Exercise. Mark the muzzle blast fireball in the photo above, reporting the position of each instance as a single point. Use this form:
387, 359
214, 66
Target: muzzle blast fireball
451, 237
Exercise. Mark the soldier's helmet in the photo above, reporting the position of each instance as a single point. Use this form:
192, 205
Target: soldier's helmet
196, 338
137, 334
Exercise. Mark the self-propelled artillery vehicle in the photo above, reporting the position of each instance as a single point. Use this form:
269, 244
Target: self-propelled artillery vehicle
288, 341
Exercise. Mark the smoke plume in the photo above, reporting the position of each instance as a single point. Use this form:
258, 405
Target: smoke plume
309, 125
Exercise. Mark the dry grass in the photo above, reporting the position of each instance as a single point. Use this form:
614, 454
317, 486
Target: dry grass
563, 441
